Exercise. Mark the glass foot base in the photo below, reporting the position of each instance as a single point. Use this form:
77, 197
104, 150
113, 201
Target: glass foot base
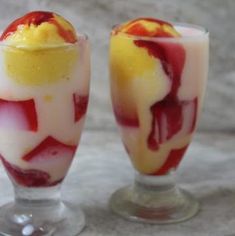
42, 220
161, 206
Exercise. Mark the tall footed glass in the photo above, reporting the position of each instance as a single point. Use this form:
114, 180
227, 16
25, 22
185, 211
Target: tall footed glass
157, 86
43, 101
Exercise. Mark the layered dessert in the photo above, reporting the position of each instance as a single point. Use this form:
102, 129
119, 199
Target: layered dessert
44, 86
158, 71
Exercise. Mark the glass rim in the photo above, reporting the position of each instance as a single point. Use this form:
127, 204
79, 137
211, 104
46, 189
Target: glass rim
204, 32
81, 37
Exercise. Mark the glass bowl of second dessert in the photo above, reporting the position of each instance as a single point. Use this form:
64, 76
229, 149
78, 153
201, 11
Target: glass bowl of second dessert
158, 73
44, 89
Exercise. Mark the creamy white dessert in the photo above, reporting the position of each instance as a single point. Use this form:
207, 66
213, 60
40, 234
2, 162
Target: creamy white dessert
44, 77
158, 72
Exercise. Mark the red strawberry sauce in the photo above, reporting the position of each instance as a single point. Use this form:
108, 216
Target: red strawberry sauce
37, 18
80, 106
29, 177
172, 160
135, 27
172, 57
33, 177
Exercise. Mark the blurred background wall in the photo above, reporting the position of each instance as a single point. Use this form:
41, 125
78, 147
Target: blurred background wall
96, 17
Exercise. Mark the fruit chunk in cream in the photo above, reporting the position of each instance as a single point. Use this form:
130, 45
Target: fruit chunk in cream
44, 87
157, 75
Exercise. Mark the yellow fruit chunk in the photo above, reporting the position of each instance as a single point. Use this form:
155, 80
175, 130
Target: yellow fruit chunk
127, 61
35, 37
39, 29
148, 27
40, 67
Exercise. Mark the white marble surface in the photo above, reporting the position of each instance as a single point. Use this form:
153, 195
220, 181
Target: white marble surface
101, 166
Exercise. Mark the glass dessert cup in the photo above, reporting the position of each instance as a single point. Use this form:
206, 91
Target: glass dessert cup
157, 87
43, 101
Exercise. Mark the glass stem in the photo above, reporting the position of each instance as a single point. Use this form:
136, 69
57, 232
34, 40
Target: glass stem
37, 196
154, 191
40, 211
33, 203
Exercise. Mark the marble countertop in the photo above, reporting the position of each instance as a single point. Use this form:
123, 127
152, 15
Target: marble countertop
101, 166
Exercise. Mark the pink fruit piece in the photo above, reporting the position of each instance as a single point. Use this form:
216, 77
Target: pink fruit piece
28, 177
172, 161
168, 117
48, 149
126, 120
80, 106
18, 115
